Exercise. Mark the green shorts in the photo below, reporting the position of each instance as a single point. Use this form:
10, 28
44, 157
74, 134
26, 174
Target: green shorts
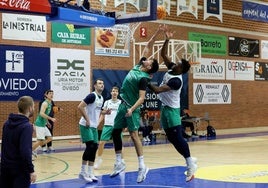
132, 122
106, 133
88, 134
170, 117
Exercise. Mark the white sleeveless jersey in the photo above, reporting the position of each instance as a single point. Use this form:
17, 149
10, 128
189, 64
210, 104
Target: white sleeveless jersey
171, 98
113, 105
93, 111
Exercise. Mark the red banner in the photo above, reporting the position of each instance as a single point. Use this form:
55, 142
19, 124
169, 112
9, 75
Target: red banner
32, 6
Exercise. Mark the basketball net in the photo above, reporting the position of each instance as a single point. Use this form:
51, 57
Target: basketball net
131, 30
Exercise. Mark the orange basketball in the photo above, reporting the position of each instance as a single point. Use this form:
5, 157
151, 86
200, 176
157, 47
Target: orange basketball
161, 12
55, 109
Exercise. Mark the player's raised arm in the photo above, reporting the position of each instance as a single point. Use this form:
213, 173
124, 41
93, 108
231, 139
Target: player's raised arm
167, 60
147, 51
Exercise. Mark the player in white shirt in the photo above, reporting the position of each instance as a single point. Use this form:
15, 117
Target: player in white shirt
112, 106
90, 109
169, 94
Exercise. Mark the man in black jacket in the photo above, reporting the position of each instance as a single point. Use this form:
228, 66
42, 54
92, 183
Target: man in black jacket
17, 169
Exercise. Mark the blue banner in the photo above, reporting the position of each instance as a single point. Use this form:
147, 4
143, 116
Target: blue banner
213, 7
23, 71
255, 11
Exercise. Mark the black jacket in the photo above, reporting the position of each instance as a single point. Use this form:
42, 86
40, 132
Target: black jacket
16, 152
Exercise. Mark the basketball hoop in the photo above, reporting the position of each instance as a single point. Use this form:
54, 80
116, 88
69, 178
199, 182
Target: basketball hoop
132, 28
129, 33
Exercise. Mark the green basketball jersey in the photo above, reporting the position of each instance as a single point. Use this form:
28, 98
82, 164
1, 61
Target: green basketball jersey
40, 121
130, 88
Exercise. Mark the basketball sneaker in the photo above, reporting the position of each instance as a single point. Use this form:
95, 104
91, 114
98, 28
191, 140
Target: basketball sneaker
144, 139
142, 174
34, 154
194, 135
51, 149
118, 167
98, 163
191, 169
85, 176
93, 177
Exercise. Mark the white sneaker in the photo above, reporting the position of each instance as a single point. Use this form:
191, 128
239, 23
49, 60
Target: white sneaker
44, 149
142, 174
93, 177
84, 176
194, 159
191, 169
148, 139
98, 163
118, 168
144, 139
34, 154
51, 148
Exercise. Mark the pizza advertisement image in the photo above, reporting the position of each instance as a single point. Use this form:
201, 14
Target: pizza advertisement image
113, 41
106, 38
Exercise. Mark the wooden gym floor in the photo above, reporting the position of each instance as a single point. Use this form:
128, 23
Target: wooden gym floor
236, 158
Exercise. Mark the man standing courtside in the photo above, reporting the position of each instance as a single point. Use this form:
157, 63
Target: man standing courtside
17, 169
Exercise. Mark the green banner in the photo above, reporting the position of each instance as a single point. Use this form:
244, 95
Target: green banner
68, 34
210, 43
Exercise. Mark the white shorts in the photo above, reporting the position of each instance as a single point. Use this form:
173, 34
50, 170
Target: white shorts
42, 133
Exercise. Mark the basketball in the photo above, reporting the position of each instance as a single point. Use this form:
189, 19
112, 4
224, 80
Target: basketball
161, 12
55, 109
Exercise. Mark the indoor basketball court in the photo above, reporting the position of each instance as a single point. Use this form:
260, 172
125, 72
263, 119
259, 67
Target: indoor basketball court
235, 158
223, 162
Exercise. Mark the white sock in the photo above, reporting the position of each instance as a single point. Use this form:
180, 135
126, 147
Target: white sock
90, 169
189, 161
141, 162
83, 168
118, 157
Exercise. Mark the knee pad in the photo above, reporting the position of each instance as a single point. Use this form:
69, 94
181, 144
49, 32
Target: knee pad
90, 151
172, 134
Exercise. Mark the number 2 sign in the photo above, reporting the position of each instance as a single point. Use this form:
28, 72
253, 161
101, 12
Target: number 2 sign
143, 32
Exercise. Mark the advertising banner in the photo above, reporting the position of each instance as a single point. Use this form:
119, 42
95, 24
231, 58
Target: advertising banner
254, 11
70, 74
212, 93
210, 44
213, 69
24, 27
244, 47
31, 6
68, 34
23, 71
261, 71
264, 49
239, 70
113, 41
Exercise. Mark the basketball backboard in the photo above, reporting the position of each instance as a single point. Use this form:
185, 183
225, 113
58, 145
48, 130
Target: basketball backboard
93, 14
135, 11
124, 11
